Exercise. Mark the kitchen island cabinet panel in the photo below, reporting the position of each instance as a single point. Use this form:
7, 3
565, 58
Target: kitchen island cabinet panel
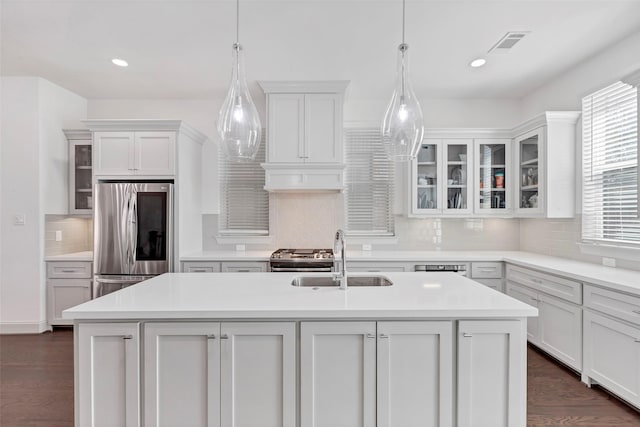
108, 375
338, 374
492, 373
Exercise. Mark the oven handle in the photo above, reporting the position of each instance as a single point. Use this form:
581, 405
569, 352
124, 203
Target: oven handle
301, 269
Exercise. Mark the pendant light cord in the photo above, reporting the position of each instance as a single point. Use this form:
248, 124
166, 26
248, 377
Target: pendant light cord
403, 15
238, 21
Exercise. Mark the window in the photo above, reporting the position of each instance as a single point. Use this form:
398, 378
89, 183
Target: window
369, 184
610, 167
244, 203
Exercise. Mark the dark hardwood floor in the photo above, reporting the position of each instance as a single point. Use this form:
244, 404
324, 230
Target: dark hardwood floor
36, 388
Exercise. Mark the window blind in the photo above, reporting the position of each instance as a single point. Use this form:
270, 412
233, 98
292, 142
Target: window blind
610, 166
369, 177
244, 203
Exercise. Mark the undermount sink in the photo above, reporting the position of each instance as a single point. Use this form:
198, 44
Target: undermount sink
320, 281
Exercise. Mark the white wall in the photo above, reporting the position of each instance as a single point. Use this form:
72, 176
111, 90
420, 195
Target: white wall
33, 112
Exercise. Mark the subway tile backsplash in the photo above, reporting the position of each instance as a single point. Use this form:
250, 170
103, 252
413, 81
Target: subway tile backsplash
77, 234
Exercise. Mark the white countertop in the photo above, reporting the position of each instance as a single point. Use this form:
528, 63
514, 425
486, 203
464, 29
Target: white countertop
76, 256
271, 296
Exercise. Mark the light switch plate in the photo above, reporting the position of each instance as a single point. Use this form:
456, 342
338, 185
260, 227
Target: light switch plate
19, 219
608, 262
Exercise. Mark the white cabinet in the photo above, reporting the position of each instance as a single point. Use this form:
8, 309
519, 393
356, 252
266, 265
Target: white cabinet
134, 153
345, 381
492, 374
216, 366
492, 177
108, 375
80, 172
304, 135
200, 266
545, 165
612, 355
68, 285
441, 179
489, 274
558, 327
377, 267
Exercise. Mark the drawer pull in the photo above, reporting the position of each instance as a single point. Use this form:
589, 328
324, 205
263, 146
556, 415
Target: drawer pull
384, 336
211, 337
199, 270
371, 335
637, 341
224, 337
127, 337
467, 335
636, 311
538, 281
69, 271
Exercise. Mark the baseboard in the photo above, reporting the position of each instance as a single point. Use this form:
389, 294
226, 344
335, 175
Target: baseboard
23, 327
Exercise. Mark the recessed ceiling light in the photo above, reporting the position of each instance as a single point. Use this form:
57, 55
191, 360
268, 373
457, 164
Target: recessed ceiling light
120, 62
479, 62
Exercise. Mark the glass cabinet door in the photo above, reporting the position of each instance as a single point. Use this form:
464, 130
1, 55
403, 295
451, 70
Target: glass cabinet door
493, 168
426, 198
456, 168
80, 176
528, 164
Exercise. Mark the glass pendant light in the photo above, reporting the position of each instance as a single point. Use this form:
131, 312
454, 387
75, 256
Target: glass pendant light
403, 126
238, 122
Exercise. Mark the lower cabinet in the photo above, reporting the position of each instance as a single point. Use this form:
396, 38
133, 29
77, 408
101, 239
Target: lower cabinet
220, 374
492, 374
367, 373
244, 267
558, 327
108, 375
612, 355
376, 267
63, 294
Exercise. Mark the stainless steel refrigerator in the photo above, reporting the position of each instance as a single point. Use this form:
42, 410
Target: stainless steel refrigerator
133, 233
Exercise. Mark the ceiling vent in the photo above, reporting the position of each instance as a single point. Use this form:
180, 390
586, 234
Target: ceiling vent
507, 42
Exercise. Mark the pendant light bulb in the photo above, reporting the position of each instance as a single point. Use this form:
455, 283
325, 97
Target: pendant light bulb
238, 122
403, 124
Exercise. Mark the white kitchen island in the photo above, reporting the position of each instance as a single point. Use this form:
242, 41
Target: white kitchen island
244, 350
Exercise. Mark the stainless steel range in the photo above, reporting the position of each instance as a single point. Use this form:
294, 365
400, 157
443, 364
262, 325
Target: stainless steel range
302, 260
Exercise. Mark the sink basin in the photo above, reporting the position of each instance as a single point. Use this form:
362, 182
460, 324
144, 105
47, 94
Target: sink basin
318, 281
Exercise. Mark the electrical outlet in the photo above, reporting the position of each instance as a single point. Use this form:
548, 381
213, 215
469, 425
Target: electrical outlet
366, 247
609, 262
19, 219
58, 235
241, 247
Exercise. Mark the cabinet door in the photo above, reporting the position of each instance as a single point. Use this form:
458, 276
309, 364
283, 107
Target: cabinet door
527, 296
113, 153
323, 128
285, 128
155, 153
182, 374
415, 374
492, 373
612, 355
80, 177
63, 294
457, 176
425, 197
492, 172
495, 284
530, 174
108, 375
561, 329
338, 374
258, 374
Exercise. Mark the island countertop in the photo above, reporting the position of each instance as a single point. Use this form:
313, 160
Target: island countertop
271, 296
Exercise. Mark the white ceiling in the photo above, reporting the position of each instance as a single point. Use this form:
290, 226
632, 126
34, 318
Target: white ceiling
182, 48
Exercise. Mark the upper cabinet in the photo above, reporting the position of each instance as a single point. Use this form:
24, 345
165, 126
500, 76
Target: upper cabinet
135, 153
304, 135
545, 155
492, 173
80, 172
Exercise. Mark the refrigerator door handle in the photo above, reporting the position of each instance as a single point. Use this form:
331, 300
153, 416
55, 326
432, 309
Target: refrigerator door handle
134, 227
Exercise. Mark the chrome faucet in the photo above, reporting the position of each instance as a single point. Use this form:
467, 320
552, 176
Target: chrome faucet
340, 245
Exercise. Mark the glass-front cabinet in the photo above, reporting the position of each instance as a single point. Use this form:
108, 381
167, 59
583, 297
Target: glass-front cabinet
529, 174
440, 178
80, 172
493, 186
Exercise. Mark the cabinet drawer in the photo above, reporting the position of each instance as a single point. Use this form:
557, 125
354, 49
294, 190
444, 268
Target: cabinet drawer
200, 267
244, 267
376, 267
486, 270
622, 306
491, 283
69, 270
562, 288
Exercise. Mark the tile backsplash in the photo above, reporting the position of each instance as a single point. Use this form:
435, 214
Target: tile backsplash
77, 234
